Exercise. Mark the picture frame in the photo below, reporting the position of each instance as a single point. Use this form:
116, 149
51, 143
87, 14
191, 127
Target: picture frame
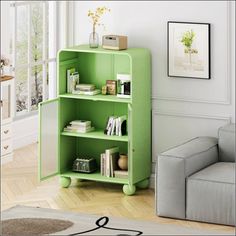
111, 87
188, 50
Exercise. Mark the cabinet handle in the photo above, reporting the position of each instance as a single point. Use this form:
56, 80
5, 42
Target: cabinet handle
6, 147
1, 103
6, 131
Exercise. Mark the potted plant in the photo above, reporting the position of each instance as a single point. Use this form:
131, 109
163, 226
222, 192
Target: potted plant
95, 18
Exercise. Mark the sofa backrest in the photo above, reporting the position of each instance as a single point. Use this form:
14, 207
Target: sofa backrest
227, 143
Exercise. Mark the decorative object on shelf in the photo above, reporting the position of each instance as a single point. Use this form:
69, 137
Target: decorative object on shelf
111, 87
114, 42
104, 90
79, 126
4, 62
123, 85
188, 50
86, 165
116, 126
72, 79
95, 18
123, 162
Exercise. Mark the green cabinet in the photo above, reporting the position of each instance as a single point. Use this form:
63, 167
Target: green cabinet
58, 149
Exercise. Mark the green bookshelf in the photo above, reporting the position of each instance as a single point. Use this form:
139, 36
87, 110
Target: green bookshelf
58, 149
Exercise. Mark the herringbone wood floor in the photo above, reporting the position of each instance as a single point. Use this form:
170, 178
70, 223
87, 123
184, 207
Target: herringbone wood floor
20, 186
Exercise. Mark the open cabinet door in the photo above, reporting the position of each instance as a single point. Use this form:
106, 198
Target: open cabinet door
48, 138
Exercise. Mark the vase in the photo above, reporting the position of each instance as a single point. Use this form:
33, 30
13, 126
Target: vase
93, 40
123, 162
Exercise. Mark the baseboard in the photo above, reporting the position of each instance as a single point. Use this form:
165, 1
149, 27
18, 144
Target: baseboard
25, 140
152, 181
25, 131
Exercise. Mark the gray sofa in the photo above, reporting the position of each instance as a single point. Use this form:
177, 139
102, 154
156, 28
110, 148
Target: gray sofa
196, 180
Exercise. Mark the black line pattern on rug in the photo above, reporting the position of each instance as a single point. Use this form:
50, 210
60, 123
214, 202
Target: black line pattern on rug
101, 224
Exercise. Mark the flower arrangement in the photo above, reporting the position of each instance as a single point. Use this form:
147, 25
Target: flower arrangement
96, 16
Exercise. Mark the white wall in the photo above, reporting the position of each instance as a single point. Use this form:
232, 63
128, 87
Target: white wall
182, 108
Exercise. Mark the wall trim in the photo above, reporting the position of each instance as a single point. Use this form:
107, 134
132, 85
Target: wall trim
198, 116
228, 99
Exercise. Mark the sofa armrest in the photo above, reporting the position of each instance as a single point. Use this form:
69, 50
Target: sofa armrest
174, 165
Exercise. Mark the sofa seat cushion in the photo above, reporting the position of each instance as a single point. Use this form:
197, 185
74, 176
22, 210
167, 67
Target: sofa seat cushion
211, 194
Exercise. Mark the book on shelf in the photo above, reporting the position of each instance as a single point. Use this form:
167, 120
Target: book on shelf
122, 174
85, 87
116, 126
79, 126
94, 92
109, 161
102, 164
72, 79
82, 123
78, 130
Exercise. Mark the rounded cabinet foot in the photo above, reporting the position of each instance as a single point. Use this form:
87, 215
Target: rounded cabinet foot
65, 181
143, 184
129, 189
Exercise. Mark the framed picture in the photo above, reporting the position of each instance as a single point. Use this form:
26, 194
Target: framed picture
188, 50
111, 87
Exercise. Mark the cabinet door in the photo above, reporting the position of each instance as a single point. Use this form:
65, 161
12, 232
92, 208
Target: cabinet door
48, 138
6, 101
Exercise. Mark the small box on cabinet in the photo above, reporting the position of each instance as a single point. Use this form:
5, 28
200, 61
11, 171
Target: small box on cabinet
114, 42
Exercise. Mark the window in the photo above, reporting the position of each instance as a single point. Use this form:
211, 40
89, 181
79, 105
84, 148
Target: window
34, 52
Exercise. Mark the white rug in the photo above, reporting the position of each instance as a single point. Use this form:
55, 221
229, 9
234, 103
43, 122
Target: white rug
85, 224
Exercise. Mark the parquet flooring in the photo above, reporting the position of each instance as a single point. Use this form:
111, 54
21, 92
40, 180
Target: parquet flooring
20, 186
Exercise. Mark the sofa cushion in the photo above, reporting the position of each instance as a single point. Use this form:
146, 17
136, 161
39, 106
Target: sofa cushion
227, 143
211, 194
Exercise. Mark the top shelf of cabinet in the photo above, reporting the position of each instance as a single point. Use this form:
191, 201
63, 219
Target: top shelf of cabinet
99, 97
85, 48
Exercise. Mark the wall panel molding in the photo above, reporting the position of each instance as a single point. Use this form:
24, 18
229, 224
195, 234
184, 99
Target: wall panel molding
228, 97
156, 112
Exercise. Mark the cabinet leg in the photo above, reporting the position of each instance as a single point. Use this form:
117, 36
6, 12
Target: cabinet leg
143, 184
129, 189
65, 181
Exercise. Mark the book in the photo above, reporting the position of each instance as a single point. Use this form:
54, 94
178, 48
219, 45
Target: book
83, 123
102, 163
85, 87
114, 163
78, 130
108, 154
110, 125
72, 79
122, 174
79, 92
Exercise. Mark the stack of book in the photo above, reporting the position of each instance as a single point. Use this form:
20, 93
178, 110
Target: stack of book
79, 126
122, 174
109, 161
86, 89
72, 79
116, 126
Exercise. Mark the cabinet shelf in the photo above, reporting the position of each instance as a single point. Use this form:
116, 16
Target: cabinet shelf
99, 97
97, 134
96, 176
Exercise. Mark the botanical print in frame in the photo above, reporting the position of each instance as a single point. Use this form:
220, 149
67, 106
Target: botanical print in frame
188, 50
